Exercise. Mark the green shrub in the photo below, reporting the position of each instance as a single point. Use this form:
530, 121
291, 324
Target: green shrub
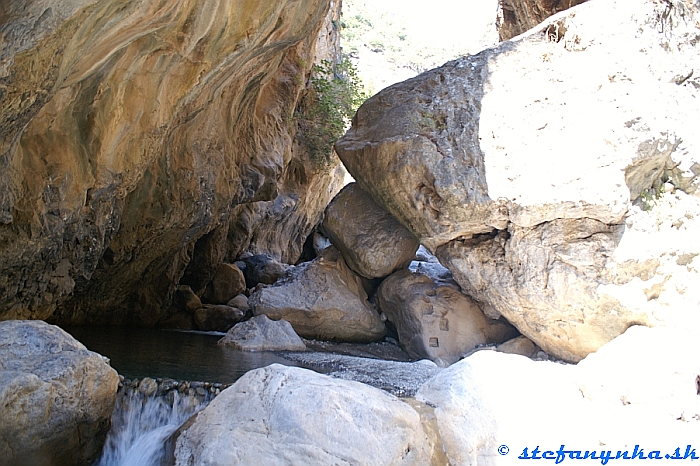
328, 107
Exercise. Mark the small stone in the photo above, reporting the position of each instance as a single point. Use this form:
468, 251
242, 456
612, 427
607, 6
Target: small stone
148, 386
169, 384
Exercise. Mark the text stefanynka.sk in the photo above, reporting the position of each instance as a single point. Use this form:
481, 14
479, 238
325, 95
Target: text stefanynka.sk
604, 456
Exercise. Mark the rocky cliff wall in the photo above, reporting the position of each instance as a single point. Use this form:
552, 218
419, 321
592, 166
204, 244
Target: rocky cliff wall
518, 16
130, 130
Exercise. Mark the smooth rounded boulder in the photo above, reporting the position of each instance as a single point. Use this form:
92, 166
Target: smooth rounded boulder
227, 283
555, 175
435, 320
56, 397
262, 334
373, 243
323, 300
279, 416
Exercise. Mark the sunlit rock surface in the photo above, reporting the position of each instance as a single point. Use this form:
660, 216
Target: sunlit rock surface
435, 320
56, 397
286, 415
131, 129
638, 390
554, 175
373, 243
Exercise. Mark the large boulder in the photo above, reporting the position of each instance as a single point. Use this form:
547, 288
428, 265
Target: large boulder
228, 282
554, 174
56, 397
323, 300
262, 334
262, 268
372, 242
435, 320
618, 373
640, 389
281, 415
482, 403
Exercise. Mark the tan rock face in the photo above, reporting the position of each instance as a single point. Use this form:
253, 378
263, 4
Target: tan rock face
536, 171
436, 321
130, 130
372, 242
323, 300
56, 397
517, 16
228, 282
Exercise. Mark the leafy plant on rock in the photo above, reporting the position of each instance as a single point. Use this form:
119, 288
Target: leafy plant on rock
334, 94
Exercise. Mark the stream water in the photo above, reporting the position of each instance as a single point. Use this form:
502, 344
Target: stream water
179, 355
142, 424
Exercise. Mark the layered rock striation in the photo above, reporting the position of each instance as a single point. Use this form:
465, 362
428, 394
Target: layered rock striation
131, 131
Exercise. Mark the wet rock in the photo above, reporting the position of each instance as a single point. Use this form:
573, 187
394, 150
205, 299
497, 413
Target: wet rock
287, 415
574, 250
228, 282
322, 299
373, 243
148, 386
436, 321
217, 318
263, 334
261, 268
56, 397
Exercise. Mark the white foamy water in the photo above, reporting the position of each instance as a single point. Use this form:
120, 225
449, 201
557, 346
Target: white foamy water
141, 425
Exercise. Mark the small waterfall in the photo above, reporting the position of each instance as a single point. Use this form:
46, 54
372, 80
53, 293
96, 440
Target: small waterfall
146, 414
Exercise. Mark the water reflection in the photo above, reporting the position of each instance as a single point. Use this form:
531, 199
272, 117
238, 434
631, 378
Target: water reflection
143, 352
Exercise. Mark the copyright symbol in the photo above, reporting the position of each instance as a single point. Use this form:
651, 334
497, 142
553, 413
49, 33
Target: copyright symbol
503, 450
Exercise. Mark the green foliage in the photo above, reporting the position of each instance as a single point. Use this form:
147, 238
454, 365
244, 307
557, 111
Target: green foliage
327, 109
